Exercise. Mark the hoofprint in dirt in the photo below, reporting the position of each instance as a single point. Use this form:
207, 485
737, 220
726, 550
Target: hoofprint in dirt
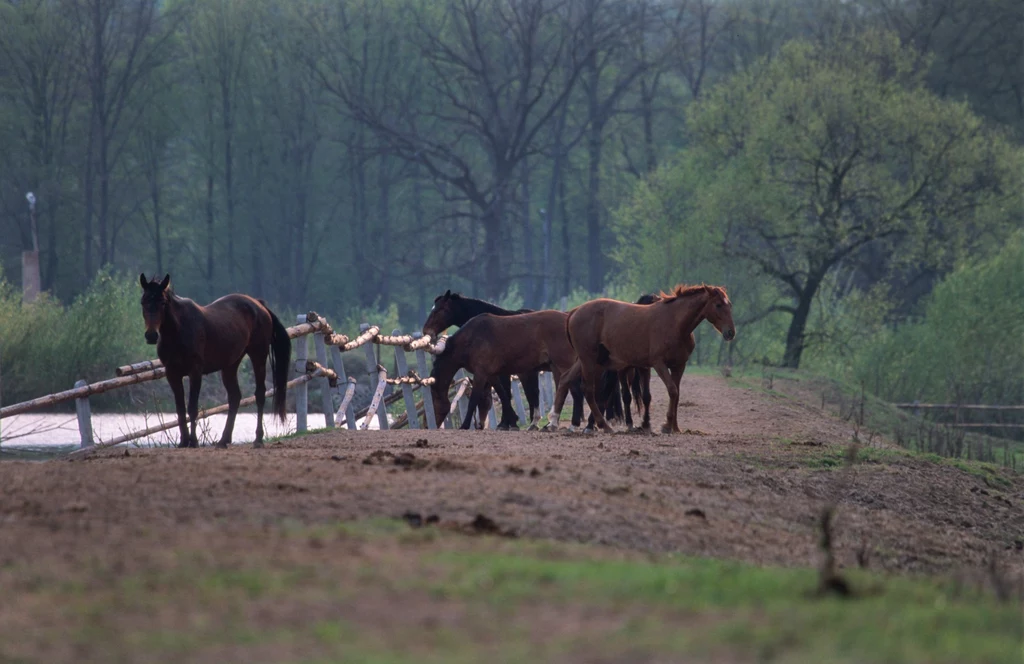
747, 482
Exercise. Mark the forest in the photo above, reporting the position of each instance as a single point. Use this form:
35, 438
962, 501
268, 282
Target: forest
851, 170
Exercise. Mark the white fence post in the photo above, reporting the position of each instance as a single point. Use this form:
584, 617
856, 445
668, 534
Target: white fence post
492, 418
326, 401
463, 402
301, 393
428, 398
371, 368
84, 417
407, 395
517, 396
339, 368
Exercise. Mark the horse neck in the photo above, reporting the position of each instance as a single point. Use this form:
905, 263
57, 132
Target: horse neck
176, 321
445, 368
471, 307
689, 311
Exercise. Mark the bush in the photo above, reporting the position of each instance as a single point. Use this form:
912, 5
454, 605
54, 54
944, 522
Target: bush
967, 348
46, 346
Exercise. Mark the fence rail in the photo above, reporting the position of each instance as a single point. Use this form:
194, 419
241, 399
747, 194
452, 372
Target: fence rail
917, 407
330, 371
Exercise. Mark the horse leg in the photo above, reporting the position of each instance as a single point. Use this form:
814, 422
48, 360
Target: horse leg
509, 418
259, 373
229, 377
591, 375
504, 391
195, 381
178, 389
624, 378
673, 398
475, 399
562, 381
677, 375
531, 386
645, 387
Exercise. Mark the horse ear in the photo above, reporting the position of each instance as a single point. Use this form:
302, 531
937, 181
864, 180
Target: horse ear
166, 282
142, 279
447, 293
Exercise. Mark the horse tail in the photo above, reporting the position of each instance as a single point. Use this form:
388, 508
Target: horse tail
280, 362
567, 335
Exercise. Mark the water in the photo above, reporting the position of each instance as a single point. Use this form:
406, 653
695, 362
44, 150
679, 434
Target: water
41, 436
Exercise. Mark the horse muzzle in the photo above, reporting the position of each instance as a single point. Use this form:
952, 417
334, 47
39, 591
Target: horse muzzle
729, 334
151, 337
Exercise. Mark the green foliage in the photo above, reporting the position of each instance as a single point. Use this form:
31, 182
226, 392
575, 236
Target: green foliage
969, 346
47, 346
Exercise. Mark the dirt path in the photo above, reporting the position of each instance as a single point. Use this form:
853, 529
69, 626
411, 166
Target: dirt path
747, 483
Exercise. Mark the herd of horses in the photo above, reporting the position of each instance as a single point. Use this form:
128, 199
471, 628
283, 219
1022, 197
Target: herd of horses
601, 352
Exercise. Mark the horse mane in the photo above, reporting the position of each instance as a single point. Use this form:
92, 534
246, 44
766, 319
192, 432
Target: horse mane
477, 306
682, 290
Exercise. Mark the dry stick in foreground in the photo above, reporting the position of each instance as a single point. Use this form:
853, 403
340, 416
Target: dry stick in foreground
830, 581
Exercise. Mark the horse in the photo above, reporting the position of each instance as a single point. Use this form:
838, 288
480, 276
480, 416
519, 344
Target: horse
607, 334
452, 309
619, 386
193, 340
489, 346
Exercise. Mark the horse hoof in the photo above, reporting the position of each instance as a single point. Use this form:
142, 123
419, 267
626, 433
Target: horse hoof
222, 445
257, 444
183, 443
533, 427
666, 428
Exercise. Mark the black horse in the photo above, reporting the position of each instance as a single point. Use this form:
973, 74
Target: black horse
452, 309
192, 340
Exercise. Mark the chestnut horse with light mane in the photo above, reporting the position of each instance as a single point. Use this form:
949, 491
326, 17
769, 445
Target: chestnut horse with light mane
612, 335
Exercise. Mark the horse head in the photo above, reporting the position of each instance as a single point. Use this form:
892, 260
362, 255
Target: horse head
718, 312
155, 296
442, 315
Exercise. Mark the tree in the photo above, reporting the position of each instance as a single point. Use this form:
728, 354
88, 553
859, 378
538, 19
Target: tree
490, 86
813, 156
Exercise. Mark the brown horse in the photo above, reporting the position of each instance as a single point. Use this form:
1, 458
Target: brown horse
629, 382
489, 346
192, 340
611, 335
452, 309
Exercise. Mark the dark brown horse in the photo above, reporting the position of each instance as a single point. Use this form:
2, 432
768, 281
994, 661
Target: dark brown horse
612, 335
452, 309
490, 346
192, 340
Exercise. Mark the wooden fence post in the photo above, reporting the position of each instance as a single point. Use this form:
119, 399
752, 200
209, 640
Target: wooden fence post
371, 368
407, 395
492, 418
339, 368
84, 417
517, 396
326, 401
302, 393
428, 398
463, 402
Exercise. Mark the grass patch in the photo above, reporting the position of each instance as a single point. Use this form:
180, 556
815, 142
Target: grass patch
377, 591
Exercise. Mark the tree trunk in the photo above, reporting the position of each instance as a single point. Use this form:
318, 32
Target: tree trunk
595, 257
229, 192
563, 210
530, 294
382, 229
798, 325
209, 232
493, 277
154, 193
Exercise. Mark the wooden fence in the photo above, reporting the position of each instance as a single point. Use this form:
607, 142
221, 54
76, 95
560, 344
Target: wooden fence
335, 385
958, 409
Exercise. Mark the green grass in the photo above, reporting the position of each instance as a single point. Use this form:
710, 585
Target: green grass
507, 599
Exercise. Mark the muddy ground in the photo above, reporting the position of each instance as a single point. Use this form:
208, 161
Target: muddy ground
746, 481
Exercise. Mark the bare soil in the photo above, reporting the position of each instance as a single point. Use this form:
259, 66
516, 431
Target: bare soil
747, 481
